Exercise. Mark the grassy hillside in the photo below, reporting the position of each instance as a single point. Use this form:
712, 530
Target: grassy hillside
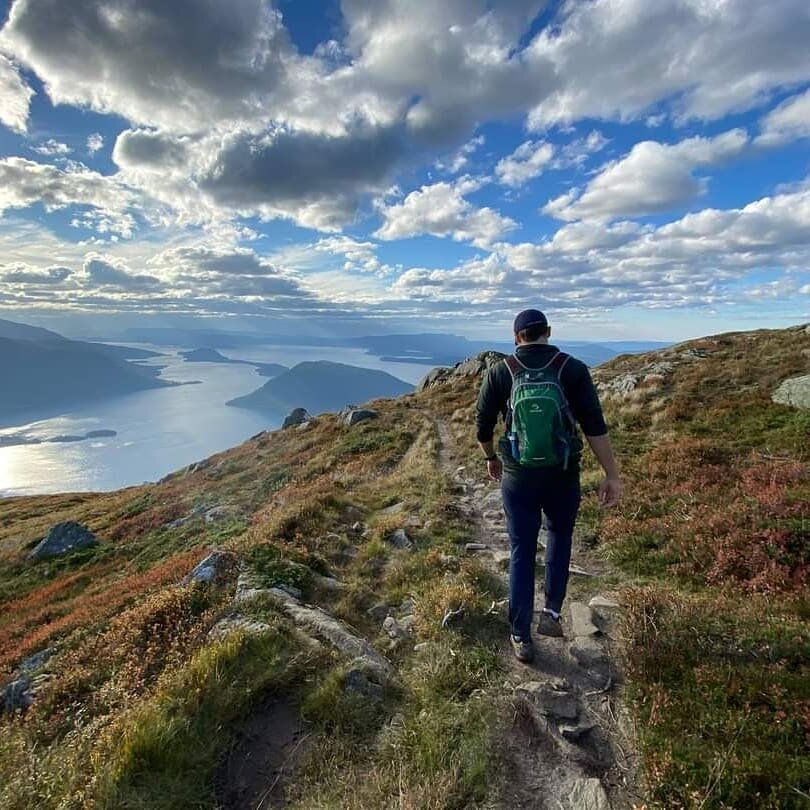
139, 707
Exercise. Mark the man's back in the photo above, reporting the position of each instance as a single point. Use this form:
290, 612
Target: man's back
576, 383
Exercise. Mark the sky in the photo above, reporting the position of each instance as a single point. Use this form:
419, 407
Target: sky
637, 170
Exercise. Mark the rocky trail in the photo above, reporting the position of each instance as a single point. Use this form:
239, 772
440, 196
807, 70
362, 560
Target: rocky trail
563, 737
567, 744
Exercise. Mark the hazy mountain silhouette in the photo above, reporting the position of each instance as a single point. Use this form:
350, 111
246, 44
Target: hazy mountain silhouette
321, 385
44, 373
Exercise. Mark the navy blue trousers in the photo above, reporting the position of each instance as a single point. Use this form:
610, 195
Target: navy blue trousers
526, 498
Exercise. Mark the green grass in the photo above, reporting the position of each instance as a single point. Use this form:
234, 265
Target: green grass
721, 690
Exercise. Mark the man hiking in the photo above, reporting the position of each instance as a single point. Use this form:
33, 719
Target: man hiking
542, 394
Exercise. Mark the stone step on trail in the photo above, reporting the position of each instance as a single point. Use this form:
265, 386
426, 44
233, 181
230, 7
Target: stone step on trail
582, 624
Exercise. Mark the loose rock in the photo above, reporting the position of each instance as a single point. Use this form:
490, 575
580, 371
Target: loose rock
393, 628
471, 548
379, 611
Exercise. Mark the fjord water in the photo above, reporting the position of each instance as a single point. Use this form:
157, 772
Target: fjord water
159, 430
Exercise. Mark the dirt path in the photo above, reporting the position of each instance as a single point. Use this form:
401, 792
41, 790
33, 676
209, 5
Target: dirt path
565, 740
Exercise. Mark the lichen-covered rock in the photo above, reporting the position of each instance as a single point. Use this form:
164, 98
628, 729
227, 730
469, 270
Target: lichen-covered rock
63, 538
794, 391
586, 794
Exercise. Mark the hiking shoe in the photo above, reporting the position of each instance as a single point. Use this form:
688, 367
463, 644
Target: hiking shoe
547, 625
523, 648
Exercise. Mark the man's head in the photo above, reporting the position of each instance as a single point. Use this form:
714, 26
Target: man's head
531, 326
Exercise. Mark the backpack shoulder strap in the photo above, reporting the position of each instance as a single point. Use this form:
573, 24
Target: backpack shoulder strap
558, 362
513, 364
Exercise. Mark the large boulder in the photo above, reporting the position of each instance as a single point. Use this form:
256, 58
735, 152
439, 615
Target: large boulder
794, 391
352, 416
297, 416
63, 538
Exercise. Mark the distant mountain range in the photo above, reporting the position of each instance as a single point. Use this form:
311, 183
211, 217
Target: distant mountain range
321, 385
43, 373
429, 348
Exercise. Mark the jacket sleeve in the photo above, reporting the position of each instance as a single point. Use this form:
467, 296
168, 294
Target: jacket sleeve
584, 400
491, 402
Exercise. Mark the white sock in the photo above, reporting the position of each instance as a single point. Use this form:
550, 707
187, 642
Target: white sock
552, 613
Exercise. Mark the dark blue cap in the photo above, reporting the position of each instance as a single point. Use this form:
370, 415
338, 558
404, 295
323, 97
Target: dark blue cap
529, 317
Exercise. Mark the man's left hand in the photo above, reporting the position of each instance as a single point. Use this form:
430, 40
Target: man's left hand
495, 469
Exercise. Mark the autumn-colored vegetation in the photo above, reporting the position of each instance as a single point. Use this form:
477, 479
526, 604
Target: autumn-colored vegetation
711, 542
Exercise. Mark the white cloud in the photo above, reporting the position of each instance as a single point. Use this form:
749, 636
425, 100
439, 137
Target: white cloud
459, 160
525, 163
614, 59
787, 122
95, 141
441, 210
52, 148
15, 97
652, 177
25, 182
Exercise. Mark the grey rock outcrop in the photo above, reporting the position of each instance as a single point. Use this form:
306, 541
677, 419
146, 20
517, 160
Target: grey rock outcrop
471, 367
794, 391
297, 416
331, 629
213, 568
63, 538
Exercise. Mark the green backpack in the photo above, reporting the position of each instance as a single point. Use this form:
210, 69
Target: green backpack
540, 427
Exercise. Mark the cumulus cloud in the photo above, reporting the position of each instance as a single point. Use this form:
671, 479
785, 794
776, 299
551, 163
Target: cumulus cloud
787, 122
95, 141
441, 210
177, 65
26, 182
317, 180
616, 58
525, 163
52, 148
653, 177
15, 97
150, 150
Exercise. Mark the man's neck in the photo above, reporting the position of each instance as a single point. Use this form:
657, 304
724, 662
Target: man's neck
540, 342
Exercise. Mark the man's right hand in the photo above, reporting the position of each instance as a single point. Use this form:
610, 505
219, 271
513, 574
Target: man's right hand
610, 491
495, 469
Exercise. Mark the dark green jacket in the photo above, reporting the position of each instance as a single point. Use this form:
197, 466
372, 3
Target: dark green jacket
576, 383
